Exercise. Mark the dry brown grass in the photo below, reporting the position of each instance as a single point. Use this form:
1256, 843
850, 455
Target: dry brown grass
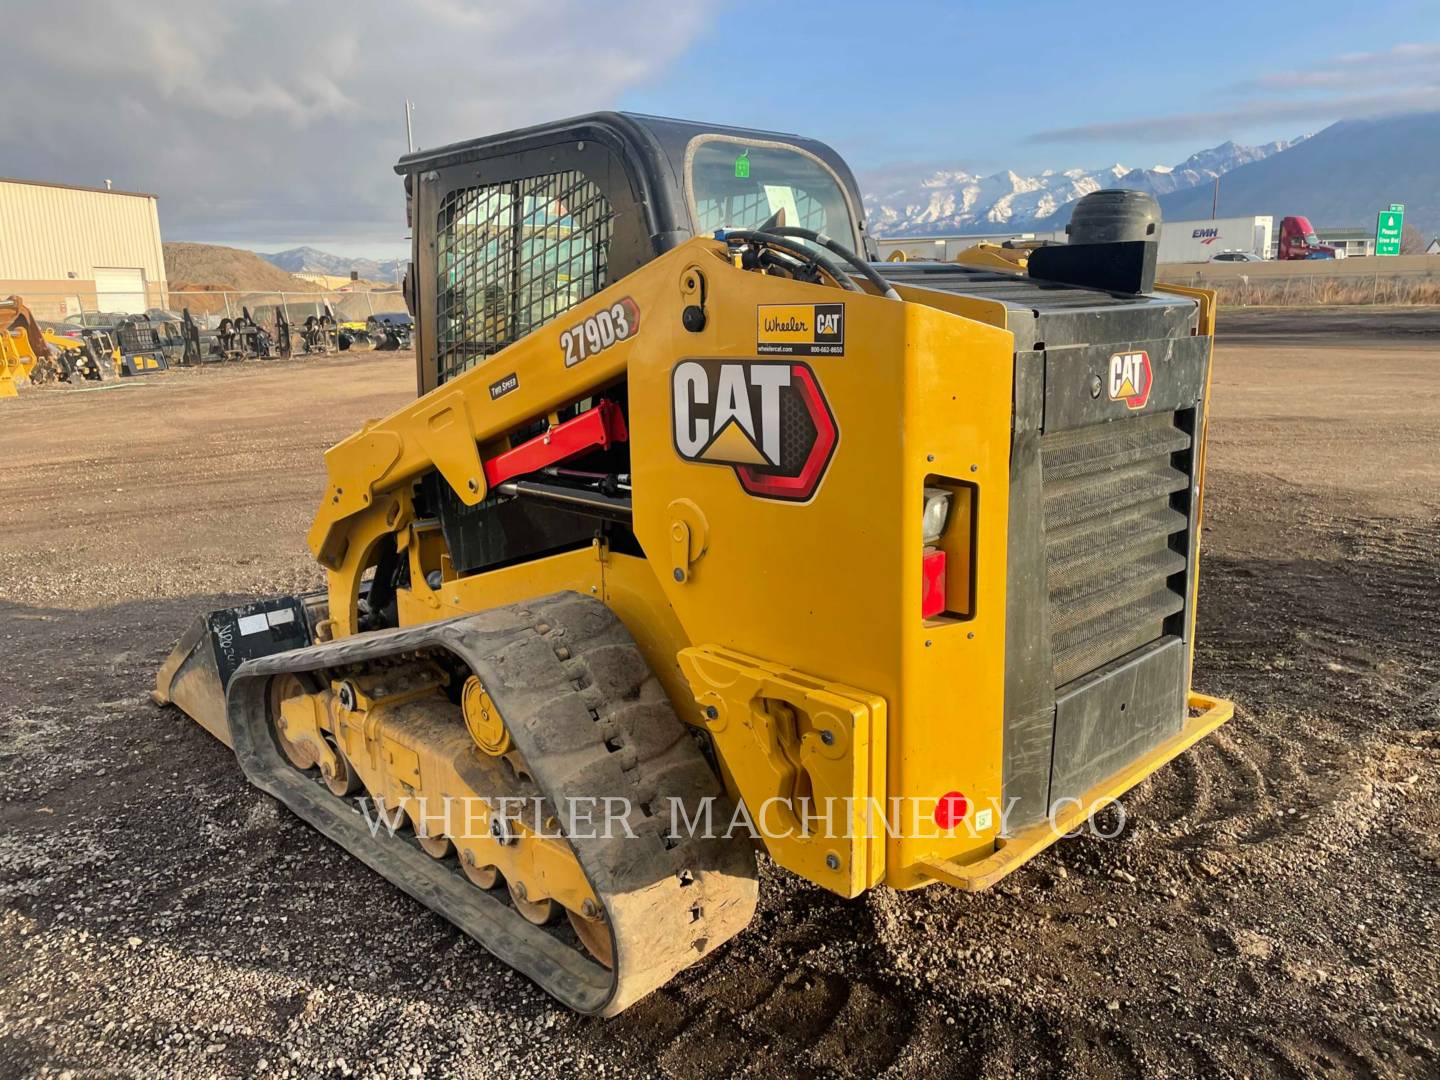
1312, 290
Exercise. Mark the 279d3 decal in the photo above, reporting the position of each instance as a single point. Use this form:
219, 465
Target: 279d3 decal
597, 333
768, 421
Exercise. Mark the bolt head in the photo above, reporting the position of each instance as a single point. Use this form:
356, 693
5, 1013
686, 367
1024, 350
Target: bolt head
679, 574
832, 861
827, 737
711, 712
588, 909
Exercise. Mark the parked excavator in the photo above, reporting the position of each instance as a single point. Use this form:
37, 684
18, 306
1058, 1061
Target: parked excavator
703, 515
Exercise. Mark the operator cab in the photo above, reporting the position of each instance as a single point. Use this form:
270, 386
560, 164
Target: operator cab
512, 230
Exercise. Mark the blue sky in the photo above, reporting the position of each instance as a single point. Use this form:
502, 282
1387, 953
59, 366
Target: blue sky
987, 86
295, 145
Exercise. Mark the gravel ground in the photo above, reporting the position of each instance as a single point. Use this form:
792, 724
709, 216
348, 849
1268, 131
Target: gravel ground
1270, 907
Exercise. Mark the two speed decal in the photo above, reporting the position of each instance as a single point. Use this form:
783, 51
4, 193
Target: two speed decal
502, 387
597, 333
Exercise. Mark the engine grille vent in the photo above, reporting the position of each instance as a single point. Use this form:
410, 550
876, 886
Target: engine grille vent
1116, 496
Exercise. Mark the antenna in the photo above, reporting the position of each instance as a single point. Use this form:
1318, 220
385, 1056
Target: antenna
409, 134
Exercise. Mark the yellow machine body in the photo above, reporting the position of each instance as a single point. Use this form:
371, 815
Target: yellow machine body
21, 341
17, 360
822, 594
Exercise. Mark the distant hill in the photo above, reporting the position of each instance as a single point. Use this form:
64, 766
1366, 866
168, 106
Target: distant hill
311, 260
212, 265
951, 202
1342, 176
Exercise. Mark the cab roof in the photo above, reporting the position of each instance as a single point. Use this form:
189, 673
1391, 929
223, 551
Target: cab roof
652, 147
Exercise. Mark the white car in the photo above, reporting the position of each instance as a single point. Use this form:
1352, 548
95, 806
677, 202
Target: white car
1236, 256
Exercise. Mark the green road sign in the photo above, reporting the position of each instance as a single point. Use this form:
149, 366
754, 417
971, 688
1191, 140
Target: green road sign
1388, 226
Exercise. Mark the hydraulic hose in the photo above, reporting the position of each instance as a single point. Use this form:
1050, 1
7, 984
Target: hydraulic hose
829, 265
886, 289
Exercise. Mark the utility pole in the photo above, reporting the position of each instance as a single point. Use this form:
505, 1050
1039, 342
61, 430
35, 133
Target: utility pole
1215, 200
409, 134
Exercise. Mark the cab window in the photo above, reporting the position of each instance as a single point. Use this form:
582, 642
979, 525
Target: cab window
741, 184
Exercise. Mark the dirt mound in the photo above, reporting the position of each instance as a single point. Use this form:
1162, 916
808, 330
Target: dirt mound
211, 266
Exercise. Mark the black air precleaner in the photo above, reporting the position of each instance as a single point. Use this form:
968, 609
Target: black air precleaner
1114, 237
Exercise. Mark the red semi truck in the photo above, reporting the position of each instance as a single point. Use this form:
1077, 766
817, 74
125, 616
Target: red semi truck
1298, 241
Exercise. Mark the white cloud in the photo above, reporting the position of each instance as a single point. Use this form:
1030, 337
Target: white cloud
1404, 65
281, 119
1405, 78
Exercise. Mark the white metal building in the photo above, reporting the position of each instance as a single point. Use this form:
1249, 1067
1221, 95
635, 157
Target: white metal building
65, 249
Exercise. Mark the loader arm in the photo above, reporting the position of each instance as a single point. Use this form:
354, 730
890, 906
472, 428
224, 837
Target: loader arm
370, 473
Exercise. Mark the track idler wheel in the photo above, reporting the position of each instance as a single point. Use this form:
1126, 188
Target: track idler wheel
282, 688
594, 934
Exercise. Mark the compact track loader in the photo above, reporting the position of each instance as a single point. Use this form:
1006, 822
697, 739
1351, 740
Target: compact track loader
707, 534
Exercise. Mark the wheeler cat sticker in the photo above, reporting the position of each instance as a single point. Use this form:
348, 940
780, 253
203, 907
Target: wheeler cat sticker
1130, 378
801, 330
767, 420
619, 321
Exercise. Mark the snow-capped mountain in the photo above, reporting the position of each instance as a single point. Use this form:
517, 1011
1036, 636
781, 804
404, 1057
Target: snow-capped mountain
309, 260
962, 202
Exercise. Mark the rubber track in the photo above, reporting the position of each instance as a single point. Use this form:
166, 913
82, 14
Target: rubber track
592, 723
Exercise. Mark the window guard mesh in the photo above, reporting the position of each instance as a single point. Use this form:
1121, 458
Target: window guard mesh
513, 256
